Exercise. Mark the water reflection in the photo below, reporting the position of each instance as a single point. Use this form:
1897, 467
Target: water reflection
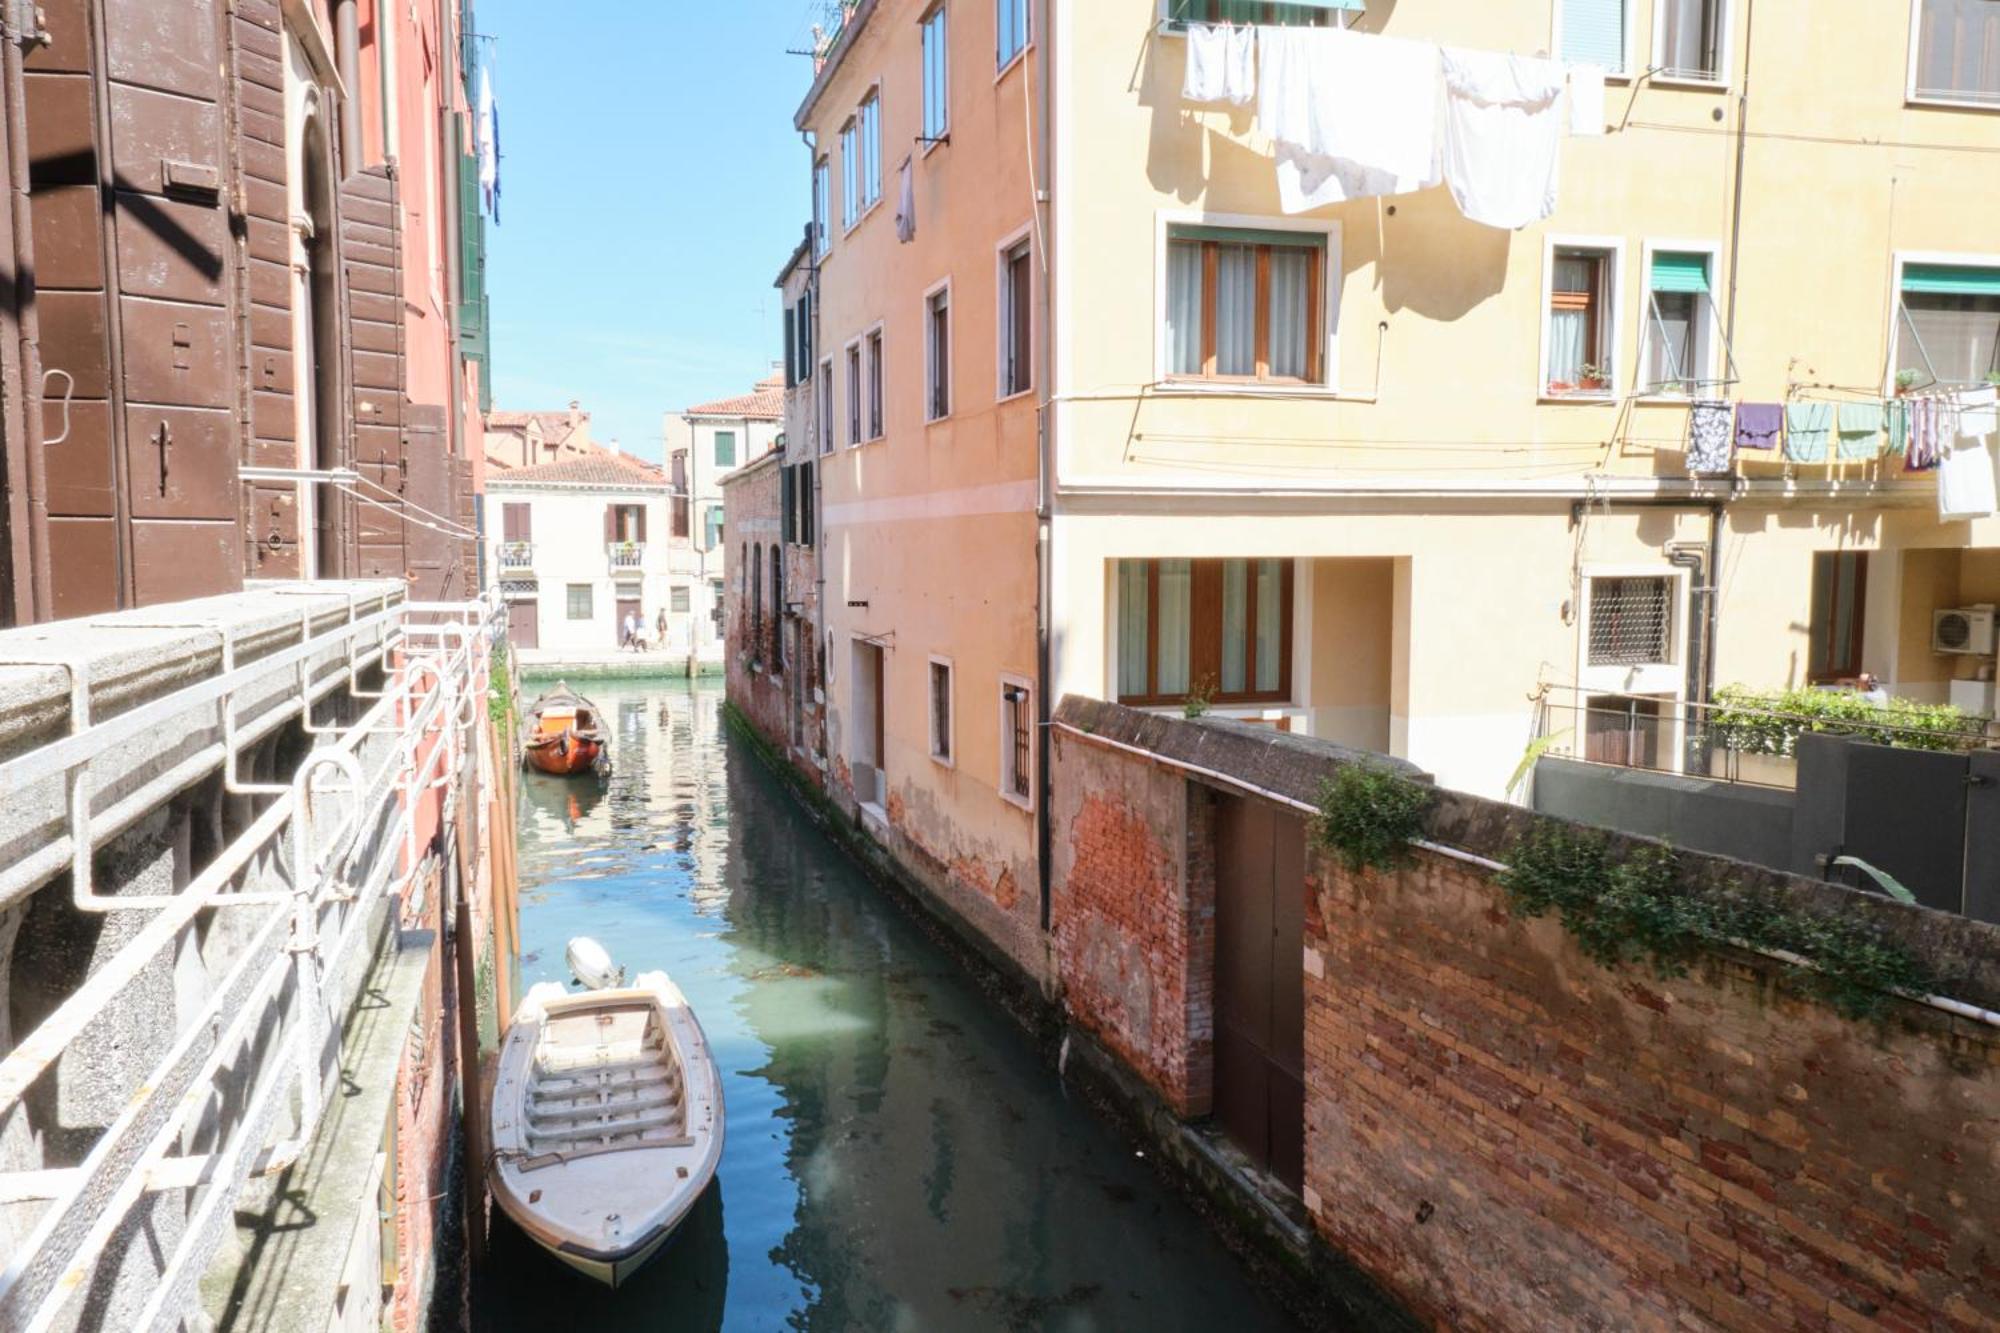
897, 1156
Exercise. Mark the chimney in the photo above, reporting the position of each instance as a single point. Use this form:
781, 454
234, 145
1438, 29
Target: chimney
575, 413
611, 445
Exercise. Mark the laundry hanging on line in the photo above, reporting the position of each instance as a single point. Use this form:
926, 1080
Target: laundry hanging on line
1967, 487
1758, 425
1502, 145
1807, 428
1860, 431
1356, 111
1710, 450
1221, 63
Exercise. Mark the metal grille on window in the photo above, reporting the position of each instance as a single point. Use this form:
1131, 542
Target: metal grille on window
1017, 729
1629, 621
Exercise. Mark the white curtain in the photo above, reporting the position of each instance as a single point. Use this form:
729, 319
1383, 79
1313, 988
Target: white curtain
1567, 353
1290, 311
1235, 624
1270, 626
1176, 585
1236, 310
1131, 628
1184, 308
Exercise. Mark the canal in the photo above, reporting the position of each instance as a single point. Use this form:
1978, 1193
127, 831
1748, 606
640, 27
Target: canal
898, 1157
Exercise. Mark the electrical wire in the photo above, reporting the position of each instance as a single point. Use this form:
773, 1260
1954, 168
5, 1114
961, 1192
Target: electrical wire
1834, 140
412, 504
399, 512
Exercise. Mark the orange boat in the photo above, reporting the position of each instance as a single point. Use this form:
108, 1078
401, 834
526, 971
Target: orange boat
565, 735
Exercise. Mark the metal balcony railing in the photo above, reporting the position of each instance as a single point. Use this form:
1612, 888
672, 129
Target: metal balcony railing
626, 556
307, 880
517, 556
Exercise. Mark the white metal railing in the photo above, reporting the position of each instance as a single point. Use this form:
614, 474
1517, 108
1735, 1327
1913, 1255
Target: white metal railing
345, 834
517, 556
626, 556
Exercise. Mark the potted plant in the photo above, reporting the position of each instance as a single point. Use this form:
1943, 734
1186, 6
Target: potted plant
1592, 379
1905, 381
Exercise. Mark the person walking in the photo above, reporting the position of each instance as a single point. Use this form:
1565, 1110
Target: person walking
660, 626
631, 629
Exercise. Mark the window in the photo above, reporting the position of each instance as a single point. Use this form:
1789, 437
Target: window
579, 602
788, 512
1017, 330
756, 644
854, 394
791, 339
875, 371
937, 77
712, 528
850, 173
777, 609
678, 599
1948, 324
822, 207
826, 407
1011, 30
803, 352
1594, 33
1580, 321
624, 523
1244, 305
715, 604
1216, 629
1839, 605
805, 500
1631, 621
1017, 735
1681, 322
861, 160
1958, 51
725, 448
937, 354
941, 710
1690, 39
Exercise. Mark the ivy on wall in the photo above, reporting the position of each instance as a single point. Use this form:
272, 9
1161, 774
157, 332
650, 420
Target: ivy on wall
1369, 814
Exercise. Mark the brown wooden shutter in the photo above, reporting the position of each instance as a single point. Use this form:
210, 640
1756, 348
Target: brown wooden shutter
376, 529
642, 522
610, 524
431, 545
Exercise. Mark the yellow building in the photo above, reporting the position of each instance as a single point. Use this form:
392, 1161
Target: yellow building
1374, 472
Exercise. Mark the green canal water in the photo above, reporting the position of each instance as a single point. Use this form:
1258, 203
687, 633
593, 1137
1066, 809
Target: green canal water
898, 1157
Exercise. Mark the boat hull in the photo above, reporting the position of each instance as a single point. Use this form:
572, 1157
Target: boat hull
565, 736
614, 1269
566, 756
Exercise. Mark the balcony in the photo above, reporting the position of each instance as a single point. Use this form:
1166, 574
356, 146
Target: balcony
517, 557
626, 557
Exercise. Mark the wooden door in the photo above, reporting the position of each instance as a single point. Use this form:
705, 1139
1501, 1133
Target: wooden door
627, 606
1260, 984
523, 625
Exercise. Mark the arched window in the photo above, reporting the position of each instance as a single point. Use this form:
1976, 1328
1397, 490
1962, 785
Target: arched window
757, 603
777, 608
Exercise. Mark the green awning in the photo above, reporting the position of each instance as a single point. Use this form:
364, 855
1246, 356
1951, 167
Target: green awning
1951, 279
1246, 236
1680, 271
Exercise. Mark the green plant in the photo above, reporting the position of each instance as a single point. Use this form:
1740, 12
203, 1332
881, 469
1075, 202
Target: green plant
1199, 697
1907, 379
500, 698
1770, 722
1993, 377
1369, 814
1623, 908
1538, 747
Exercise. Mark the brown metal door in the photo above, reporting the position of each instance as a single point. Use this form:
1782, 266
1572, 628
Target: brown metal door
1260, 983
429, 543
523, 625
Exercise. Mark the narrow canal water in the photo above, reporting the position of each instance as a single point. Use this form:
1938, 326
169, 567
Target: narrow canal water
897, 1157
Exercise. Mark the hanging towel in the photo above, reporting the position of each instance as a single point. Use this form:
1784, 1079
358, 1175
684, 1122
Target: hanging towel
1354, 115
1979, 411
1896, 416
489, 144
1586, 101
1807, 426
1502, 136
1221, 64
906, 204
1709, 453
1966, 486
1860, 430
1933, 425
1758, 424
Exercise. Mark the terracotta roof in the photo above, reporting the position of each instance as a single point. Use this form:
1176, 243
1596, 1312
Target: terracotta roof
607, 470
555, 425
767, 403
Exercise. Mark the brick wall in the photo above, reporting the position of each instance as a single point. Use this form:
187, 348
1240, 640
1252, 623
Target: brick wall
750, 523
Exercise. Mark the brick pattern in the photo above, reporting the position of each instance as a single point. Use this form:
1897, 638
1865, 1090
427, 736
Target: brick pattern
750, 523
1511, 1136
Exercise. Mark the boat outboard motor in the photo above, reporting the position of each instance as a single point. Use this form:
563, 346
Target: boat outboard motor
592, 966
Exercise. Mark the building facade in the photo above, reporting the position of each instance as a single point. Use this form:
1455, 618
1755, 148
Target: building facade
1101, 417
704, 445
578, 547
530, 439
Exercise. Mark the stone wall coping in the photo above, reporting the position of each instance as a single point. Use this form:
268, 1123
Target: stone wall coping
1965, 954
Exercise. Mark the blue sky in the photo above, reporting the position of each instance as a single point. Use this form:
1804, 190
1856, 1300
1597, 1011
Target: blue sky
652, 187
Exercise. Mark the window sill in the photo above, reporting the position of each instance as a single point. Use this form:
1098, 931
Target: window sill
848, 228
1013, 62
1246, 388
1691, 83
1949, 103
1021, 803
933, 142
944, 761
1578, 399
937, 421
1018, 393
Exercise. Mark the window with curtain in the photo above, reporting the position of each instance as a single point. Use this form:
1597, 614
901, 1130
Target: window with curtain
1010, 27
1580, 322
937, 76
822, 208
1221, 629
1317, 14
1016, 328
937, 354
1691, 38
1594, 33
1839, 605
1680, 319
1244, 305
1958, 51
1948, 325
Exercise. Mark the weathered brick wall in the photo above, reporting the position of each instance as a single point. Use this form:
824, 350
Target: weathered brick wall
1514, 1137
750, 522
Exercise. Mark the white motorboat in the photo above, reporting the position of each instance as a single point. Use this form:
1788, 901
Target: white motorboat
607, 1122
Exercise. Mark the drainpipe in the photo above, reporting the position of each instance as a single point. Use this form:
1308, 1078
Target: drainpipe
1044, 491
347, 63
27, 468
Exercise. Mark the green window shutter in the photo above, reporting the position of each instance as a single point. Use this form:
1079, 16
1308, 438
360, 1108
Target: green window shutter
725, 448
1680, 271
1951, 279
1593, 33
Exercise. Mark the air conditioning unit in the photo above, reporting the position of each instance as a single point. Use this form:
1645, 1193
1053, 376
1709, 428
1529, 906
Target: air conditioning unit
1970, 630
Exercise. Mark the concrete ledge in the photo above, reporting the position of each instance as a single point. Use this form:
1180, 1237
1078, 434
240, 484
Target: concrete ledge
632, 666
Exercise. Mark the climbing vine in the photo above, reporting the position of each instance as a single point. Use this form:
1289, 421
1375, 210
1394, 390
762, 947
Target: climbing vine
1369, 814
1625, 908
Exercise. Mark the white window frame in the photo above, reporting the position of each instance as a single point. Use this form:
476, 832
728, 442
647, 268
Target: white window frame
1912, 97
827, 433
1630, 54
1166, 383
850, 173
1666, 680
1022, 235
1614, 246
1004, 66
854, 357
822, 206
1725, 52
1713, 338
1007, 680
932, 370
1900, 260
949, 759
934, 133
873, 362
